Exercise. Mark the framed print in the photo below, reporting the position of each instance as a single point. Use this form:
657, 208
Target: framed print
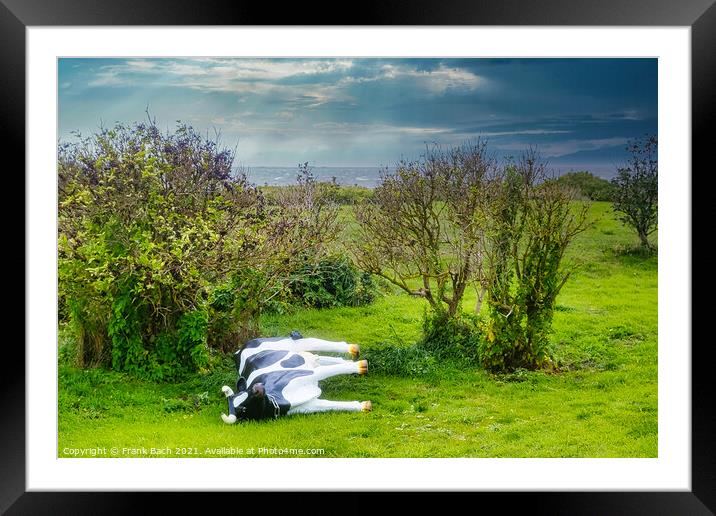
192, 279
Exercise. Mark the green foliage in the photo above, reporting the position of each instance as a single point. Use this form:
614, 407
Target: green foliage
349, 195
67, 352
165, 251
169, 354
534, 223
88, 318
412, 361
125, 330
637, 189
343, 195
330, 282
514, 342
191, 339
143, 220
590, 186
451, 337
232, 310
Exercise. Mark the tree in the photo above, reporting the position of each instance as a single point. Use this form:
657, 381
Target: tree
455, 219
422, 229
636, 189
533, 222
590, 186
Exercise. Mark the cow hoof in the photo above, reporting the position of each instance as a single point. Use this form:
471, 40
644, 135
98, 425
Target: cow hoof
363, 367
354, 350
366, 406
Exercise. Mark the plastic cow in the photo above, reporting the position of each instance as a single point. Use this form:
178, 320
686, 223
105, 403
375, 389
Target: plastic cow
279, 376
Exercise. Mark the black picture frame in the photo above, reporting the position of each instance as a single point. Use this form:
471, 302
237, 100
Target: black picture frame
700, 15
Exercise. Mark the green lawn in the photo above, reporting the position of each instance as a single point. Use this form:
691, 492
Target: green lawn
601, 403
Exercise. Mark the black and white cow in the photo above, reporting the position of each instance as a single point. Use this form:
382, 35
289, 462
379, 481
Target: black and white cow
279, 376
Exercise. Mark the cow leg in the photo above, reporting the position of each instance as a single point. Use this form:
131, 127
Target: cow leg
325, 361
346, 367
317, 405
322, 360
311, 344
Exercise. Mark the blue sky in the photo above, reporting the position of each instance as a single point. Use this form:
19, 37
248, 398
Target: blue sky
579, 113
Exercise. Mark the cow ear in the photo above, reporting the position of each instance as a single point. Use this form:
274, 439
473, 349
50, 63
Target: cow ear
241, 384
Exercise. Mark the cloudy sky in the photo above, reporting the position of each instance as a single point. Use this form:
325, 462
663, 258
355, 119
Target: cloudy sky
579, 113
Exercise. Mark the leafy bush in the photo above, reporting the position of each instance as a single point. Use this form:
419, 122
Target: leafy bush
534, 222
457, 337
332, 281
151, 226
143, 220
348, 195
232, 308
340, 194
590, 186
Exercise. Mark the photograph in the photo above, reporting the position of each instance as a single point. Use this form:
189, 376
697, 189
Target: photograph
428, 251
357, 257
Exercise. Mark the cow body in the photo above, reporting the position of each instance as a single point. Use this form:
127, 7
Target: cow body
279, 376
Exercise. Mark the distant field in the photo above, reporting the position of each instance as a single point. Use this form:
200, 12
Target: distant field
602, 403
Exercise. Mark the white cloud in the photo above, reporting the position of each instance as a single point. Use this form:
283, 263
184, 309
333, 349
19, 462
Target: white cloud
140, 64
354, 128
285, 115
234, 75
436, 81
259, 76
107, 77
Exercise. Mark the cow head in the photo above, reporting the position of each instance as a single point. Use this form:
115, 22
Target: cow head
247, 404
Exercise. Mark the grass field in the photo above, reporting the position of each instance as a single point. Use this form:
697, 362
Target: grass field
601, 403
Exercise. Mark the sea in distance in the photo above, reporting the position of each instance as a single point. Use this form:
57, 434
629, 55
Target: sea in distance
351, 176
